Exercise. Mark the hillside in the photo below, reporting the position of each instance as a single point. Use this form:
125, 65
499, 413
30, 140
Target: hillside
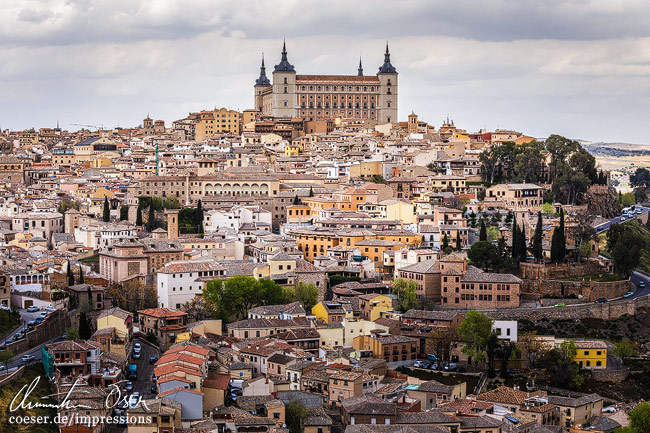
642, 233
7, 393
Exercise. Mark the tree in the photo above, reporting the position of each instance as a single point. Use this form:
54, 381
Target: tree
558, 241
404, 290
506, 350
80, 280
85, 328
234, 296
538, 251
124, 212
491, 351
459, 242
71, 333
445, 242
106, 216
296, 413
66, 205
296, 200
640, 195
441, 341
522, 244
515, 239
493, 233
171, 202
307, 295
151, 337
272, 293
628, 199
198, 309
311, 191
484, 255
138, 217
613, 234
198, 222
151, 221
133, 295
627, 252
483, 234
585, 249
640, 178
548, 209
626, 349
5, 357
639, 419
564, 371
70, 274
474, 331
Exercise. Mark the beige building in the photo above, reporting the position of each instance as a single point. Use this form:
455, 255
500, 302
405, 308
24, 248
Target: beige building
515, 196
217, 121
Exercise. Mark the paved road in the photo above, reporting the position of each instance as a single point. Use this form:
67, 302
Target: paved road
145, 371
25, 318
604, 226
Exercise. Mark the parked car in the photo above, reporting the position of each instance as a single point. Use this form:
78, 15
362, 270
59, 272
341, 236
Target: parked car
31, 324
27, 358
421, 364
642, 284
5, 307
135, 397
39, 319
64, 335
600, 301
154, 389
128, 386
434, 366
43, 314
628, 295
3, 367
153, 360
50, 308
137, 346
560, 304
451, 366
33, 309
137, 354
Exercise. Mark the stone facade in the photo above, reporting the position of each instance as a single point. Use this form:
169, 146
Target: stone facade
589, 290
538, 271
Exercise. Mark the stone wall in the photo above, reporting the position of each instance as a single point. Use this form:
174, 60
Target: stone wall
13, 376
52, 327
589, 290
607, 375
541, 271
606, 311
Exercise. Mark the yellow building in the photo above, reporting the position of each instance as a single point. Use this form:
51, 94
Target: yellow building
218, 121
591, 354
367, 169
122, 322
332, 311
373, 304
400, 209
292, 149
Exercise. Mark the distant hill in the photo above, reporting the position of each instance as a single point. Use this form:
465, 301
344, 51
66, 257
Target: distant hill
615, 149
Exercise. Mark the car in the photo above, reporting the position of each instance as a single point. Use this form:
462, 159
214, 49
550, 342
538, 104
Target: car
64, 335
33, 309
135, 398
451, 366
137, 346
560, 304
31, 324
50, 308
27, 358
642, 284
432, 357
16, 337
43, 314
600, 301
3, 367
434, 366
623, 218
137, 354
5, 307
153, 360
128, 386
154, 389
154, 378
420, 364
39, 319
628, 295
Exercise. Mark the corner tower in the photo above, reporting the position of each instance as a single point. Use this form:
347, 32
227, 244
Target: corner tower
388, 90
260, 84
284, 87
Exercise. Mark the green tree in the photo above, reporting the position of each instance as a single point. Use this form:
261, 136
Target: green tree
296, 200
515, 249
613, 234
234, 296
311, 191
66, 205
627, 252
585, 249
124, 212
459, 243
296, 413
625, 349
445, 242
523, 245
307, 295
85, 328
151, 221
377, 178
538, 251
106, 215
506, 350
71, 333
640, 195
151, 337
491, 352
548, 209
199, 217
404, 290
80, 280
70, 274
484, 255
640, 178
558, 241
171, 202
493, 233
483, 233
138, 217
628, 199
564, 371
639, 419
475, 331
5, 356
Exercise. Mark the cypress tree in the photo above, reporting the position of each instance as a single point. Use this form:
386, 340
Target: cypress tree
538, 250
483, 233
515, 238
81, 276
311, 191
445, 242
70, 274
459, 245
106, 217
138, 217
84, 327
523, 250
296, 200
562, 242
152, 219
198, 217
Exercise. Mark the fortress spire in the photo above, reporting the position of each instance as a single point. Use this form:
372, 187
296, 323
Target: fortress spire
262, 80
360, 72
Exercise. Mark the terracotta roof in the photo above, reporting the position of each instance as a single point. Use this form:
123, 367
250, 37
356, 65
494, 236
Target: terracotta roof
161, 312
179, 389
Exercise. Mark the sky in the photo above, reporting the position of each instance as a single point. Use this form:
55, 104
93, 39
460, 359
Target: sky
579, 68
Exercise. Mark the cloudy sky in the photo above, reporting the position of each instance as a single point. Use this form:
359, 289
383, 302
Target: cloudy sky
580, 68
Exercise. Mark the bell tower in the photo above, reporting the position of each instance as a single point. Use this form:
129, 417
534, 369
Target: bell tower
388, 90
284, 87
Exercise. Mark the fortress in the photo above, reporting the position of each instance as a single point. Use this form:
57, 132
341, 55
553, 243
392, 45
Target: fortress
316, 97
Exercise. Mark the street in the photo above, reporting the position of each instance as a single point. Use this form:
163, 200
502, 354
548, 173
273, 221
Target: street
604, 226
145, 370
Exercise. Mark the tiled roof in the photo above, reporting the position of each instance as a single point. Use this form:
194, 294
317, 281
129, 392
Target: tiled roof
476, 275
434, 416
368, 404
507, 395
161, 312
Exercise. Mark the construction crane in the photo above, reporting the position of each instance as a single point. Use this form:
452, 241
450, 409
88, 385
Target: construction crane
88, 126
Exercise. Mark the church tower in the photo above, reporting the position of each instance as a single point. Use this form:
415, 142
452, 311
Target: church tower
284, 87
260, 84
388, 90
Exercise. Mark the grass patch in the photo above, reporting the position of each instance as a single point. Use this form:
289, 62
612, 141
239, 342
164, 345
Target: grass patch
7, 393
91, 259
